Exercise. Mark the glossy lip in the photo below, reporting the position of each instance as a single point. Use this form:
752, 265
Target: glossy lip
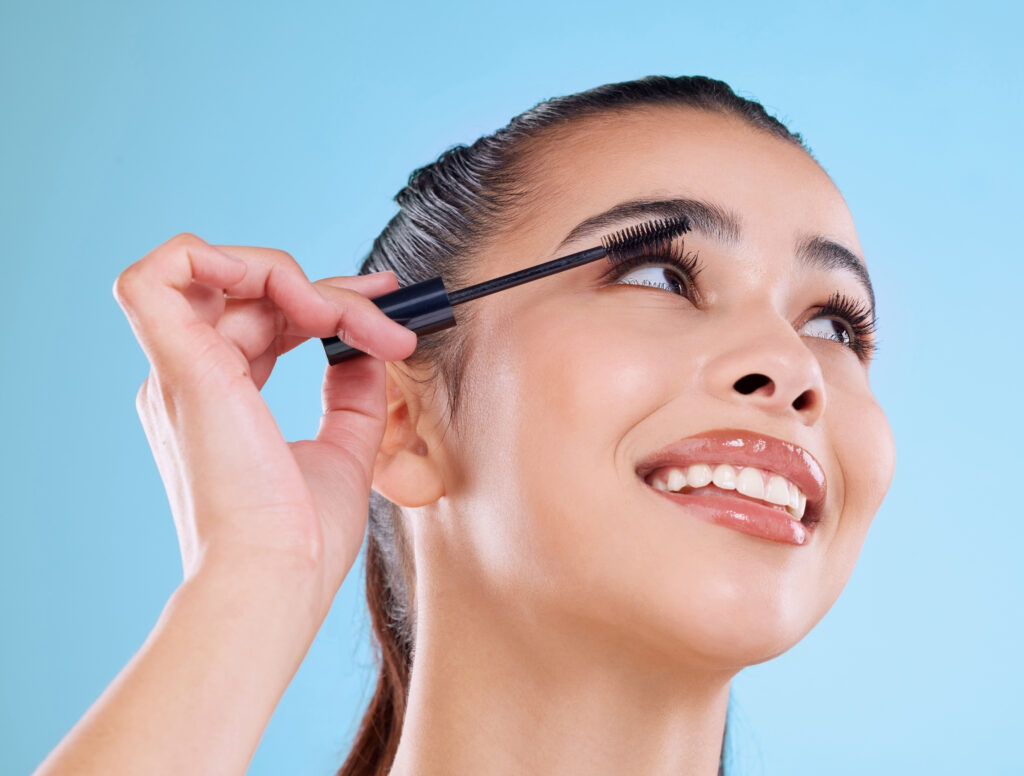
743, 447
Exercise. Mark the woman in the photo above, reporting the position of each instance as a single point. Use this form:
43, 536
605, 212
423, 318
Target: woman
543, 600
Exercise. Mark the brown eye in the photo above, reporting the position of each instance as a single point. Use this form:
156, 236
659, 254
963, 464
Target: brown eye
848, 321
830, 328
656, 276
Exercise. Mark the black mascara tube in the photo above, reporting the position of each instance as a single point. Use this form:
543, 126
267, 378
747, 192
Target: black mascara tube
423, 307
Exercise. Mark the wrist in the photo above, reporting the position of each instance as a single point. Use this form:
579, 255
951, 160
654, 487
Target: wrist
284, 593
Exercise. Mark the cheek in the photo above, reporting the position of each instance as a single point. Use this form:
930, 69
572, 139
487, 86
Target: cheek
561, 391
865, 450
865, 443
591, 383
595, 378
872, 450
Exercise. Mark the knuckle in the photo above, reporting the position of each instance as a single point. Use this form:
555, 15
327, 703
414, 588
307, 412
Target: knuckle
283, 257
126, 284
283, 263
131, 279
185, 240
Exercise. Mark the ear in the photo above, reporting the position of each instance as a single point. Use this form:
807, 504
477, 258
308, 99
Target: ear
406, 471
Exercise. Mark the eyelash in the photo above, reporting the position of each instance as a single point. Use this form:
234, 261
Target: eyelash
673, 254
855, 314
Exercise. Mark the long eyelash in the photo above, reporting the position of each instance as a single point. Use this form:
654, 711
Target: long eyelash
862, 323
669, 252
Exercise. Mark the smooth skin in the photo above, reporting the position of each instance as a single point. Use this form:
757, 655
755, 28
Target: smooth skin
569, 619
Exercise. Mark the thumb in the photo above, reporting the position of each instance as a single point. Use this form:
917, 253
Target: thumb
355, 410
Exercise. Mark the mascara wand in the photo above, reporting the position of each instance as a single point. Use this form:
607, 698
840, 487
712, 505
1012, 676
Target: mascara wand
426, 307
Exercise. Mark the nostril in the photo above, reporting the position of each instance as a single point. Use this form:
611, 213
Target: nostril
751, 383
802, 400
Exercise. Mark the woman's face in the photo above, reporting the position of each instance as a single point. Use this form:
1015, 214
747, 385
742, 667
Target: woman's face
572, 382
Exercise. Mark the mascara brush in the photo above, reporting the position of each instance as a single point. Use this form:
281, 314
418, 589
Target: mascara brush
426, 307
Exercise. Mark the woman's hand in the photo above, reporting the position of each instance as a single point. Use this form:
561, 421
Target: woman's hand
268, 529
213, 320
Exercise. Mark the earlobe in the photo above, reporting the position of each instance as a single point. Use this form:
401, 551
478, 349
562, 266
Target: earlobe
405, 471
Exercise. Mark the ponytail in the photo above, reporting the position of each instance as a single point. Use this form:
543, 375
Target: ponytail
376, 742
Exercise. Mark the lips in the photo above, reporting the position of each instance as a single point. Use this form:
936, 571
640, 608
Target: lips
742, 447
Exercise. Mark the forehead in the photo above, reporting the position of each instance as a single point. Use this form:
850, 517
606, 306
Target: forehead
776, 190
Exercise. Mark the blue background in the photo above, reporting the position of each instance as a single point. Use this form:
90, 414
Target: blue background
293, 126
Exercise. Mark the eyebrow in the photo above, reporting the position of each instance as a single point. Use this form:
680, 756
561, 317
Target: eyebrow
723, 225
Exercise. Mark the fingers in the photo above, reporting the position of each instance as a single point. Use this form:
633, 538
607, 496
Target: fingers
372, 285
150, 291
172, 293
175, 295
276, 275
362, 325
355, 407
262, 333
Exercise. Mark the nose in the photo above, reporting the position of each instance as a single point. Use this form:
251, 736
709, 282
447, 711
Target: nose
764, 363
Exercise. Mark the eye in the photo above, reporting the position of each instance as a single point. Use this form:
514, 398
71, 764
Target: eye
672, 269
654, 276
830, 328
850, 323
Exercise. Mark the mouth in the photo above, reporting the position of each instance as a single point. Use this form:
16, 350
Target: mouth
747, 481
721, 502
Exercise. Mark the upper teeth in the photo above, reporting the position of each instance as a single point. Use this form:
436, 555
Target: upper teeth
748, 480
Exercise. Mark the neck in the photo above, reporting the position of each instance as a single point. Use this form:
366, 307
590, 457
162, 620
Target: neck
489, 694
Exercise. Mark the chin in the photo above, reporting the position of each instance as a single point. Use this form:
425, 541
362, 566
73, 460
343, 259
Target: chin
746, 639
727, 626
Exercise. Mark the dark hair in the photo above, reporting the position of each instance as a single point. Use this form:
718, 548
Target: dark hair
449, 211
